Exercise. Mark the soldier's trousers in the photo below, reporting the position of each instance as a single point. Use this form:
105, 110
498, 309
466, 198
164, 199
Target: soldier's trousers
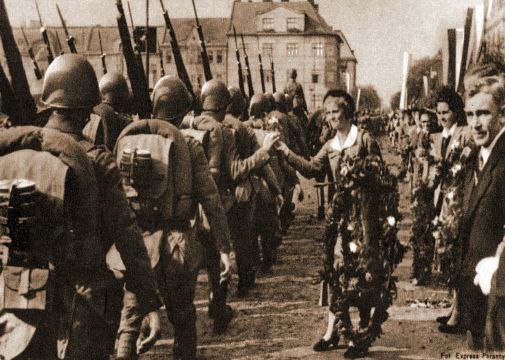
212, 263
267, 227
177, 287
241, 223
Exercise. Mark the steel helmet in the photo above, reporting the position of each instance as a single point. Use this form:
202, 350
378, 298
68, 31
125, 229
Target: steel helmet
260, 105
237, 102
114, 88
215, 96
171, 99
70, 83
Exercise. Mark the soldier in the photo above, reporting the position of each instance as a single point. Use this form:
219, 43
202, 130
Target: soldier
112, 112
171, 102
295, 90
232, 175
85, 295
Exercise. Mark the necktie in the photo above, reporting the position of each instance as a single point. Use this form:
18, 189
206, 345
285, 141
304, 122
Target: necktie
445, 144
480, 166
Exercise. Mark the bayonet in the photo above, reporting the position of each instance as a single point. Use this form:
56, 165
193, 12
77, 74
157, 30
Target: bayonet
36, 69
45, 37
102, 54
160, 54
70, 38
203, 48
59, 42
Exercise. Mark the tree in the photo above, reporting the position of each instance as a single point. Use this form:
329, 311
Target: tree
394, 102
423, 67
369, 98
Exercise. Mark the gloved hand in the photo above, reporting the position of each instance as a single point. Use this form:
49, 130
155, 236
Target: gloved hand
485, 269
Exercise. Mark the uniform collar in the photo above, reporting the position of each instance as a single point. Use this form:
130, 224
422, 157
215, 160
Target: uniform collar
449, 132
351, 138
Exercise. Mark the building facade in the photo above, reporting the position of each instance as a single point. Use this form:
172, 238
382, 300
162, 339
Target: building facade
291, 34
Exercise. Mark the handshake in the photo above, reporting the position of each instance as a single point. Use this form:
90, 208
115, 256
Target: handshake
272, 140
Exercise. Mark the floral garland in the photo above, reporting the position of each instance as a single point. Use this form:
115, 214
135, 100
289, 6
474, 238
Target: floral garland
423, 211
446, 225
363, 277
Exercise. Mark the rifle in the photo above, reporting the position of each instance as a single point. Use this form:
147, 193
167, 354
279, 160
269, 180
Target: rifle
137, 52
239, 65
36, 69
70, 38
273, 75
135, 73
45, 37
160, 54
102, 54
20, 85
203, 47
248, 69
179, 62
262, 75
59, 42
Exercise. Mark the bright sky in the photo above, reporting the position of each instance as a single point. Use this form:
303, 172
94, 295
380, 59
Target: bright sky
378, 30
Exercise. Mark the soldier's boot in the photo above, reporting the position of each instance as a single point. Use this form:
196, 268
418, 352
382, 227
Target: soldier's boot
127, 346
185, 337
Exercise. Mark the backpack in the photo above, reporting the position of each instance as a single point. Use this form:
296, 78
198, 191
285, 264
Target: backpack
44, 175
148, 152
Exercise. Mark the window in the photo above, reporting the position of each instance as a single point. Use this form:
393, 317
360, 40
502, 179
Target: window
292, 49
211, 56
317, 49
268, 24
219, 56
315, 78
268, 49
316, 100
292, 24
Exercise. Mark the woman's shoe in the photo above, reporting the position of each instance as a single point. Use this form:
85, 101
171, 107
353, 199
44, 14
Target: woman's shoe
325, 345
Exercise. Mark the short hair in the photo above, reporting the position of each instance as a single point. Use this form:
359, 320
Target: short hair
446, 94
487, 79
349, 104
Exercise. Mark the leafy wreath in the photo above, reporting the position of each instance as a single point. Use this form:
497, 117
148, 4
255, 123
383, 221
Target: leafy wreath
446, 225
363, 278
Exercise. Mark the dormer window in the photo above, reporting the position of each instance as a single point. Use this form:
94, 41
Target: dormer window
293, 24
268, 24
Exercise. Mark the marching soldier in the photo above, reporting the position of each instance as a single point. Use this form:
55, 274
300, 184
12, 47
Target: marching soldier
232, 174
87, 296
171, 102
112, 113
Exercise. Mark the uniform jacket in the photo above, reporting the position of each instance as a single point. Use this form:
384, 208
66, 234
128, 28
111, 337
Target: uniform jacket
205, 192
117, 222
484, 208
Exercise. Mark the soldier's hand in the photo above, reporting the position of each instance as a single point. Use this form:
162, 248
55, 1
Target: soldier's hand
227, 266
282, 147
152, 321
270, 140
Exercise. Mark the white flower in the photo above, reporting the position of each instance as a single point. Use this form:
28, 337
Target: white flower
456, 169
450, 195
344, 171
436, 234
391, 221
350, 227
455, 145
353, 247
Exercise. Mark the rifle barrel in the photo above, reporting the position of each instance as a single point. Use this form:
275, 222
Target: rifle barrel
262, 75
248, 69
70, 39
274, 90
203, 47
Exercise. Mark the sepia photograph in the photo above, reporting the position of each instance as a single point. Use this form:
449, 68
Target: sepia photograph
252, 179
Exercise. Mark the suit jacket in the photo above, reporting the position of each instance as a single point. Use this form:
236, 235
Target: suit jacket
484, 208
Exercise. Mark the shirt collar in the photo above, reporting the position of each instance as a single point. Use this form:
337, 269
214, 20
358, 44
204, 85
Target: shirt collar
351, 138
449, 132
485, 152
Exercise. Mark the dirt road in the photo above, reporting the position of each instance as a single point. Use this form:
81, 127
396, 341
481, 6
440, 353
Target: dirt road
280, 319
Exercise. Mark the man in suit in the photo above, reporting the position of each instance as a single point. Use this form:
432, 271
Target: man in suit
484, 202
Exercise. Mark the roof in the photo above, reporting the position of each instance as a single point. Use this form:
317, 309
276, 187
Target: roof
86, 37
346, 52
243, 11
